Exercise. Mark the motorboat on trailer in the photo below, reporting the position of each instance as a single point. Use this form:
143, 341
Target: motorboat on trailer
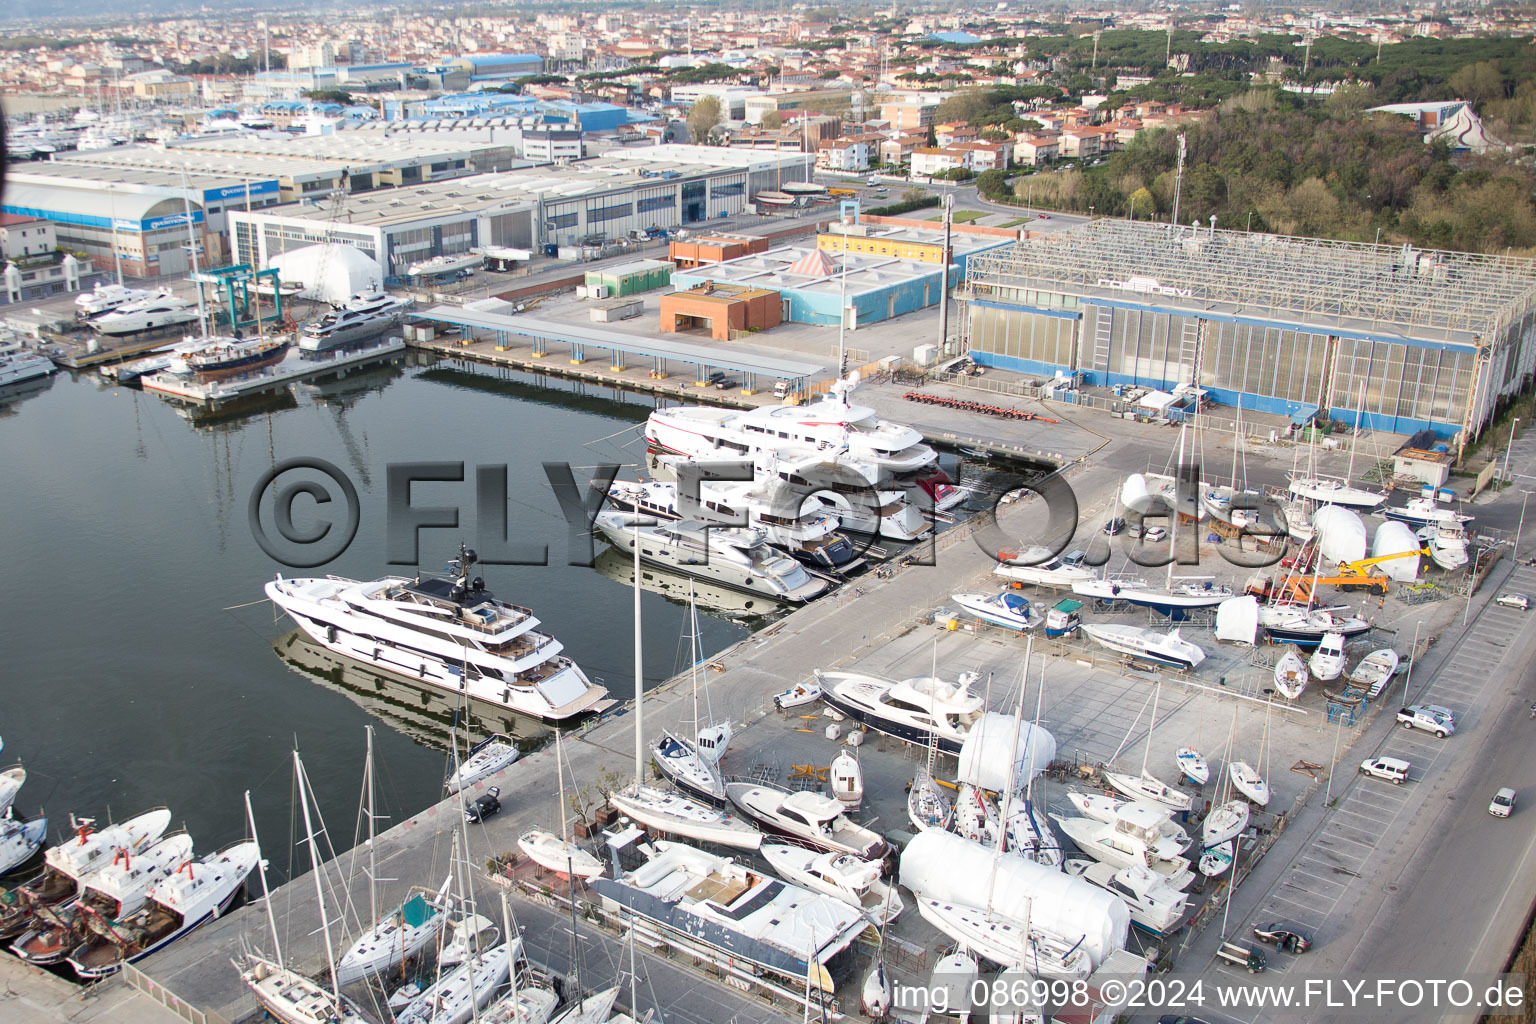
362, 316
797, 695
675, 814
808, 537
915, 710
855, 881
1005, 608
198, 892
1139, 642
1156, 907
736, 558
806, 817
448, 633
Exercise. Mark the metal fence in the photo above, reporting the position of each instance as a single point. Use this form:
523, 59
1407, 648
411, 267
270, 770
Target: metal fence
165, 997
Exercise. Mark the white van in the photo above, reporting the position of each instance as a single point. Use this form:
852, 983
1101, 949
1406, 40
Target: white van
1393, 769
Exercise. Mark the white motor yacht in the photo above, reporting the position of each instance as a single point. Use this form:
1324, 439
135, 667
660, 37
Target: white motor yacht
1038, 566
1155, 906
854, 881
735, 558
153, 313
912, 709
1102, 807
19, 365
20, 841
675, 814
452, 634
362, 316
1139, 642
1006, 608
1327, 661
1134, 839
1447, 544
1424, 511
106, 297
806, 817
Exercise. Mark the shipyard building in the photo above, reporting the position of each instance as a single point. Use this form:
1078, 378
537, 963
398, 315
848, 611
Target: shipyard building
1407, 338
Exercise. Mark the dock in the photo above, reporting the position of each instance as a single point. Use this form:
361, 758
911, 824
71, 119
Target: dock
295, 366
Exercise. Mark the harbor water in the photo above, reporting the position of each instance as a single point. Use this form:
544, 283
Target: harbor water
141, 664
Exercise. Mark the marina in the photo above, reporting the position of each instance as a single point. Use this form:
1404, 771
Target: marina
294, 366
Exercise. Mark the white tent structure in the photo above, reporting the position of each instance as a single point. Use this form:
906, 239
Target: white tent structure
1397, 539
1463, 130
330, 272
1340, 533
1237, 619
984, 754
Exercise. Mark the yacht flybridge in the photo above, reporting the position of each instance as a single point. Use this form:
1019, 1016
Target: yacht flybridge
832, 425
450, 633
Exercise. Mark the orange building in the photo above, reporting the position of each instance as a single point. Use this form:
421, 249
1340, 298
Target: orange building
715, 248
721, 309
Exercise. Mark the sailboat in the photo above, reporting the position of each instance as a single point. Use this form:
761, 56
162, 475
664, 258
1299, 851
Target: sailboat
283, 993
526, 1003
1192, 765
927, 805
1328, 491
559, 853
1146, 786
694, 766
1236, 506
1247, 781
1224, 822
405, 930
484, 759
1291, 674
1216, 859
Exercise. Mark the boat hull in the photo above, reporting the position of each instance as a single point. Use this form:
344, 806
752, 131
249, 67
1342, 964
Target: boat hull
897, 730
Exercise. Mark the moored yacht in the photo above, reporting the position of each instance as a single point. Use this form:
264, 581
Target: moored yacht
18, 365
912, 709
362, 316
733, 557
227, 357
808, 536
452, 634
20, 841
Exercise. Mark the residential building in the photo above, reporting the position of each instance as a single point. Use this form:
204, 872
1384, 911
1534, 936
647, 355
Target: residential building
1033, 149
930, 160
843, 154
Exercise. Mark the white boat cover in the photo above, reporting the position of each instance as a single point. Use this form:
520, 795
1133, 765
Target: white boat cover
1134, 494
985, 752
1237, 619
943, 866
1340, 533
1393, 537
329, 272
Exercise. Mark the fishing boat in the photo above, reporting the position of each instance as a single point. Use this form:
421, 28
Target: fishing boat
450, 634
806, 817
1249, 782
927, 805
1291, 674
913, 710
674, 814
847, 781
1327, 661
67, 864
1375, 671
848, 878
1192, 765
1224, 822
115, 891
797, 695
1102, 807
1148, 788
1292, 623
1005, 608
1156, 907
1062, 619
198, 892
1133, 839
228, 357
1140, 642
736, 558
484, 759
1215, 860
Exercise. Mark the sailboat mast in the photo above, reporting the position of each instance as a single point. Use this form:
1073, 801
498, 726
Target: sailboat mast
693, 659
1151, 724
560, 783
373, 887
266, 893
1173, 538
639, 667
1013, 765
314, 870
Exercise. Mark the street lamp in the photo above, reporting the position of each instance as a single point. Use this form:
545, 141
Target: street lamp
1521, 524
1510, 446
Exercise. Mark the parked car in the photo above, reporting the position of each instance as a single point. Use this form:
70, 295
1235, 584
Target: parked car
1286, 937
483, 806
1046, 216
1521, 601
1074, 557
1429, 717
1154, 534
725, 383
1503, 803
1114, 525
1392, 769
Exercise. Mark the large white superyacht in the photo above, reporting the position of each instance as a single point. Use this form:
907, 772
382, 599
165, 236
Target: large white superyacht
448, 633
733, 557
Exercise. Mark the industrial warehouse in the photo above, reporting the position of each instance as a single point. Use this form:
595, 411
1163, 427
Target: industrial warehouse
1276, 324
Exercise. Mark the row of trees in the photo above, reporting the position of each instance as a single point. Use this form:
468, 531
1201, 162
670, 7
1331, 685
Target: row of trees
1267, 162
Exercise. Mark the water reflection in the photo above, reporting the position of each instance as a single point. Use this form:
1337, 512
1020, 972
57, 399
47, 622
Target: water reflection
751, 610
12, 395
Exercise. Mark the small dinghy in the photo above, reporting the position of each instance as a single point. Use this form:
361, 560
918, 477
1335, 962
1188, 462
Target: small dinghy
1291, 674
1247, 781
1224, 822
1216, 859
1192, 765
797, 696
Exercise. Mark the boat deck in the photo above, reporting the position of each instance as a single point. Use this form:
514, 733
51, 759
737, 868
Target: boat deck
293, 367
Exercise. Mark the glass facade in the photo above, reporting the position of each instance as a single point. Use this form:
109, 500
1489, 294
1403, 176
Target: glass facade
1020, 334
